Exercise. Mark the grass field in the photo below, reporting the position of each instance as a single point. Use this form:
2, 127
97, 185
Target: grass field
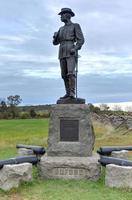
35, 132
28, 131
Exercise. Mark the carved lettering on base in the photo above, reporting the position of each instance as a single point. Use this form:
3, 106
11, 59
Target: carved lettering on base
69, 172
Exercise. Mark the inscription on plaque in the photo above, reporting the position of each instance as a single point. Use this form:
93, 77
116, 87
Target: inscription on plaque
69, 130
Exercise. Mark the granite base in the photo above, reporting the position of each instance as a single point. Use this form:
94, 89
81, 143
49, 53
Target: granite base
75, 168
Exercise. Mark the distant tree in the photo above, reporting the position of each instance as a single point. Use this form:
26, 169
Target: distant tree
24, 115
32, 113
3, 110
91, 106
104, 107
128, 108
94, 108
3, 106
14, 100
117, 108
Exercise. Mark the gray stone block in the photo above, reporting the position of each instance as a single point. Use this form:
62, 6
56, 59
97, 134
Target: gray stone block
12, 175
118, 176
70, 131
120, 154
70, 168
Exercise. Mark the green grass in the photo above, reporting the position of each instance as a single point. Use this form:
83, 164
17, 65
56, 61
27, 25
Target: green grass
28, 131
66, 190
107, 135
35, 132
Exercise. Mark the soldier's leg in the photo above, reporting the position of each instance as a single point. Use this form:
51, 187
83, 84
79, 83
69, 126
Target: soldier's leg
64, 71
71, 63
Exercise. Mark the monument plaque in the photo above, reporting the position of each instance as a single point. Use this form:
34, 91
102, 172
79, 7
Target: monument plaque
69, 130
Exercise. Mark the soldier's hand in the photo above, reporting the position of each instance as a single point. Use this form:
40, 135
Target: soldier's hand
55, 35
73, 51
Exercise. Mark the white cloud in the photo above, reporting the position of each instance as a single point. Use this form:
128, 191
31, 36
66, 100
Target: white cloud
105, 64
41, 73
26, 49
125, 106
26, 58
12, 38
31, 27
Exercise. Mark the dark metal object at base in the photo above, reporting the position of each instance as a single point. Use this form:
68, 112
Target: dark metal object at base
69, 130
70, 100
38, 150
105, 160
18, 160
106, 150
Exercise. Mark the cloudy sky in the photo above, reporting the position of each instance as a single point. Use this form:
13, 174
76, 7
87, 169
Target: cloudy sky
28, 61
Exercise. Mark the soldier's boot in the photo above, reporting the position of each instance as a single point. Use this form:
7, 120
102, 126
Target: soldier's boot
71, 78
66, 83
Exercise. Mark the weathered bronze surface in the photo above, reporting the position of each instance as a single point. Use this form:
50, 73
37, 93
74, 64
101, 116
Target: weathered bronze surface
70, 38
69, 100
69, 130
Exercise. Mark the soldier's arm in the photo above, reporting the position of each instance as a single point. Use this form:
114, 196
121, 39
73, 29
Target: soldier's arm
79, 37
56, 38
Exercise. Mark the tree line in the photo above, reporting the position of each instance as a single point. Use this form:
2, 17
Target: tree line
10, 109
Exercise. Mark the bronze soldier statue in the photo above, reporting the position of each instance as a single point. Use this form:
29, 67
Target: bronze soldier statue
70, 38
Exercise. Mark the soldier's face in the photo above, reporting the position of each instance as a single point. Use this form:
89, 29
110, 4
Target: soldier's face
65, 16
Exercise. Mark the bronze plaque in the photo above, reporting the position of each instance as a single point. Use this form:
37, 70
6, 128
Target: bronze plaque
69, 130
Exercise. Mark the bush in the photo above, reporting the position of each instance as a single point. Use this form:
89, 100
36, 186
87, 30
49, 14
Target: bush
24, 115
32, 113
43, 114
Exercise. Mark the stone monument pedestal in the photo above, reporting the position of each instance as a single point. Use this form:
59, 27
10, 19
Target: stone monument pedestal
70, 144
70, 167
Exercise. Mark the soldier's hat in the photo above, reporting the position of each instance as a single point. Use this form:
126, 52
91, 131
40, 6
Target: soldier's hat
66, 10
